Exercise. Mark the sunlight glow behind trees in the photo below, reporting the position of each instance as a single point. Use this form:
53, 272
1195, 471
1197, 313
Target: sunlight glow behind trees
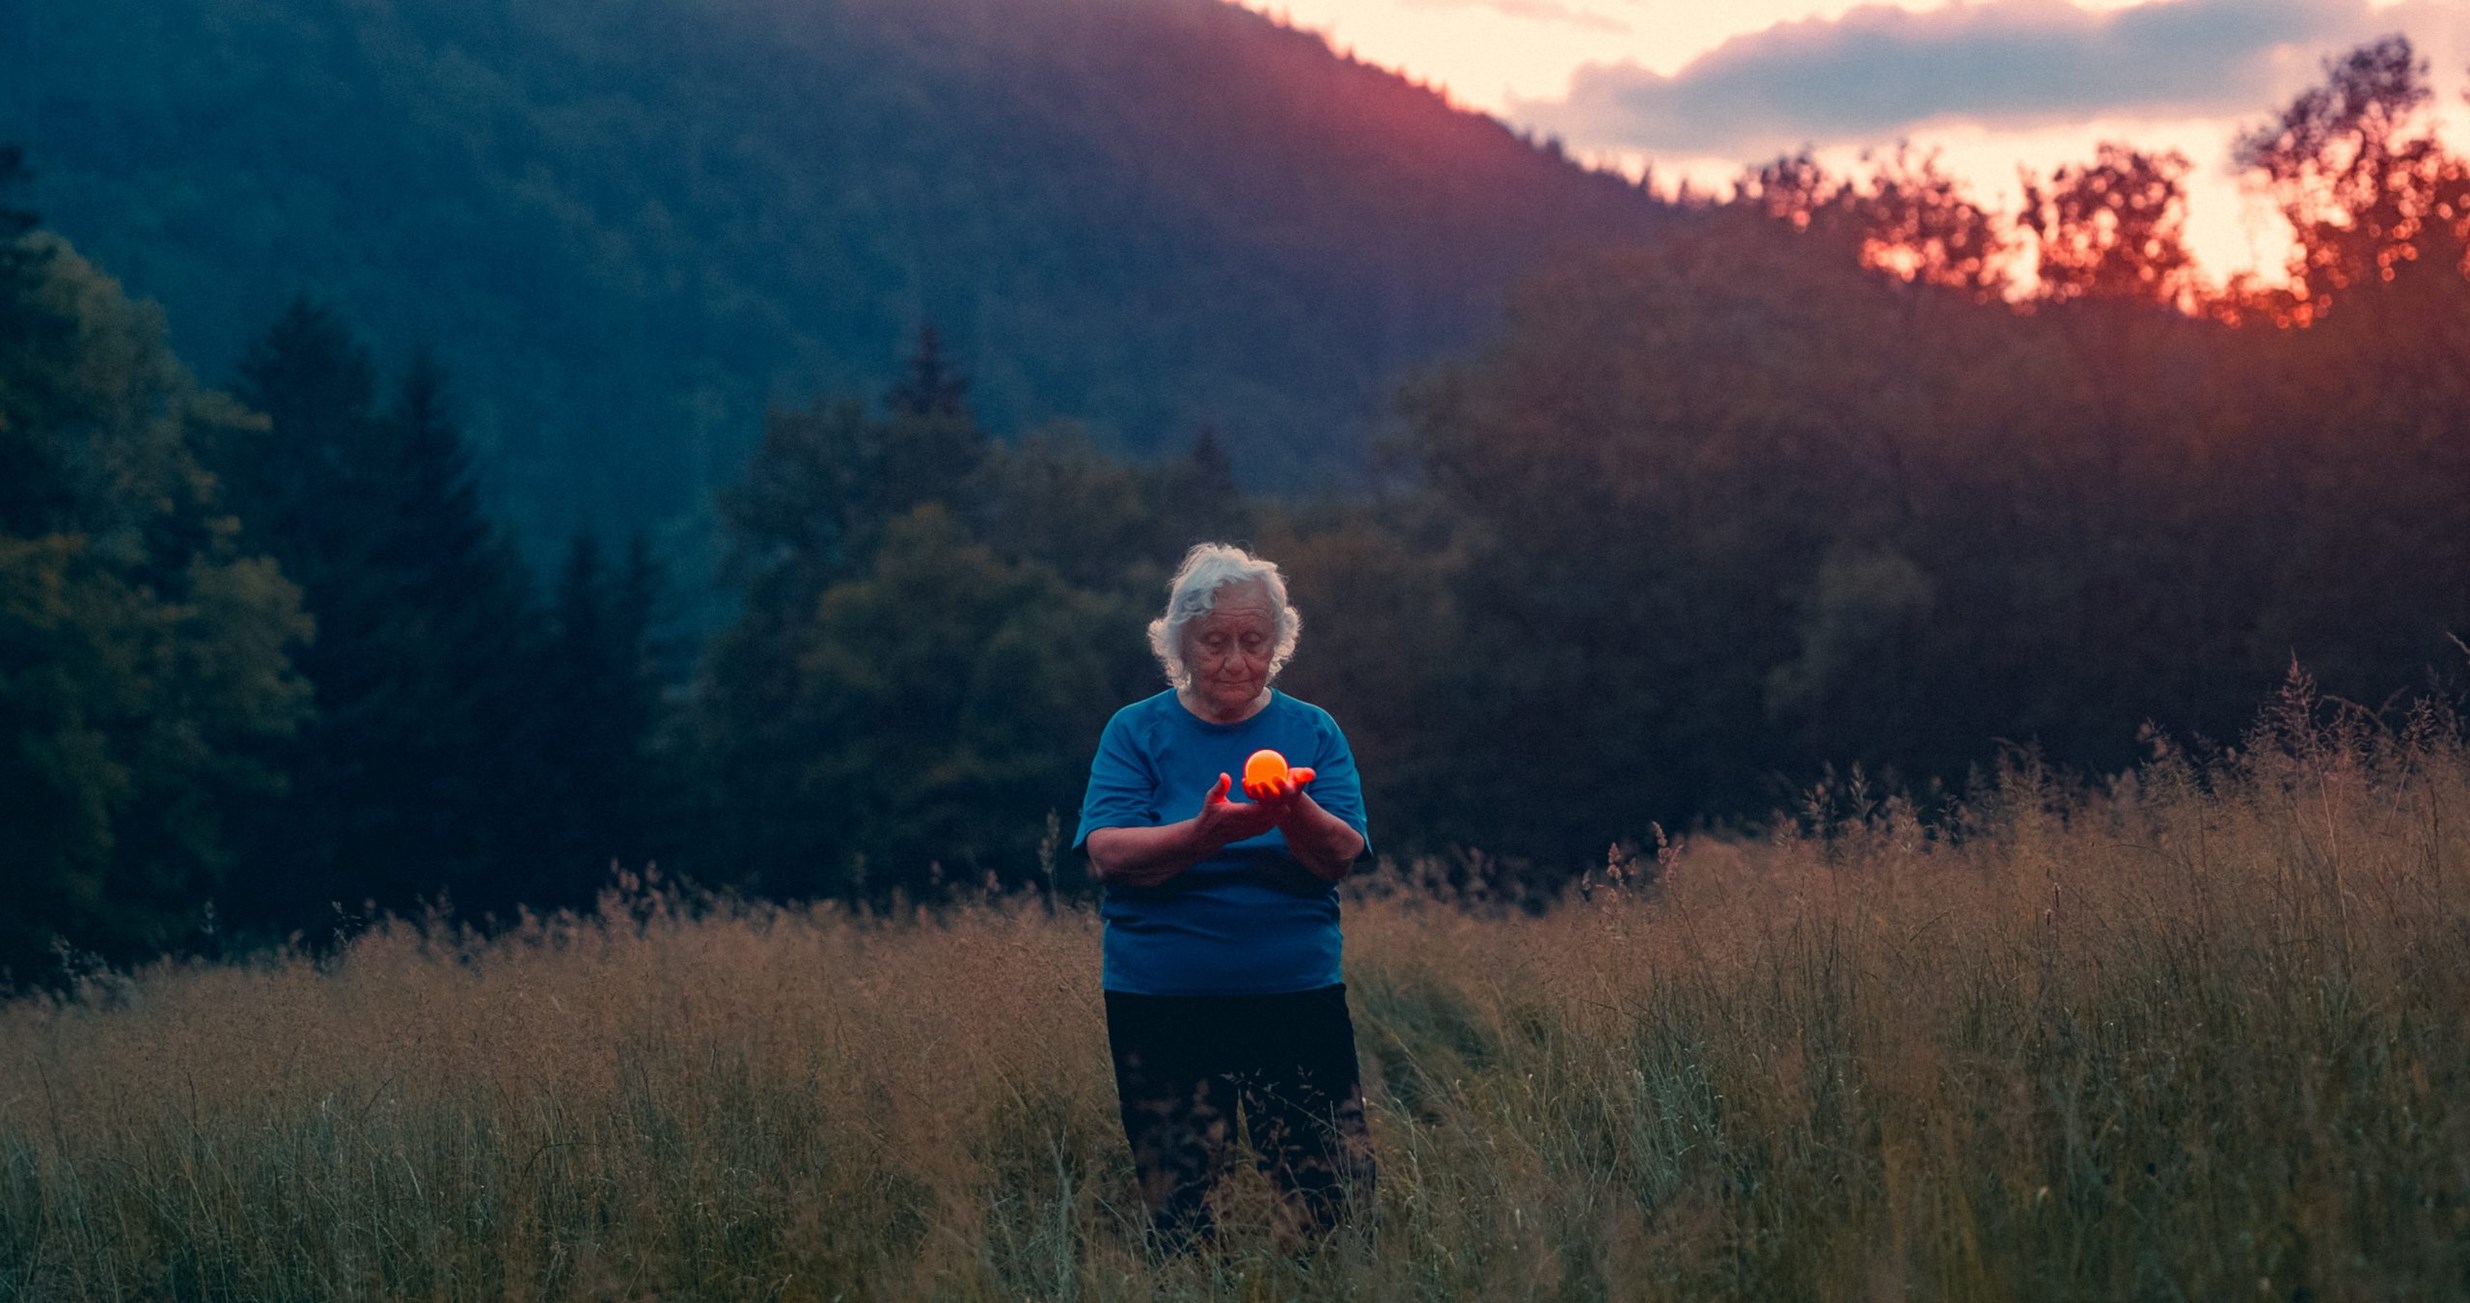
1487, 55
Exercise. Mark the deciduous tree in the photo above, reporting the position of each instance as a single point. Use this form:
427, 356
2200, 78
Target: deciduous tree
144, 652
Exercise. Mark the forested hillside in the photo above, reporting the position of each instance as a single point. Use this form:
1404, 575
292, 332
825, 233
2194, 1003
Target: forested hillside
1809, 499
626, 227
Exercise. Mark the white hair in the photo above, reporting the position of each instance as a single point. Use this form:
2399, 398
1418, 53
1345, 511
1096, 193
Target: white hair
1208, 569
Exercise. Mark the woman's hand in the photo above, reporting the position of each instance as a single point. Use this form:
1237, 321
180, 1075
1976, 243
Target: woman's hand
1222, 821
1319, 840
1280, 789
1146, 857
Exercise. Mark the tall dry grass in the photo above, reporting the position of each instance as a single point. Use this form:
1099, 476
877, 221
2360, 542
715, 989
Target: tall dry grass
2199, 1033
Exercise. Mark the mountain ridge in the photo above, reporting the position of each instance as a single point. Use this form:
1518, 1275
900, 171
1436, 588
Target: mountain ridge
629, 228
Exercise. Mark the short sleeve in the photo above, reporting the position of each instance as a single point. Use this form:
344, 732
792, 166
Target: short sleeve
1336, 786
1123, 784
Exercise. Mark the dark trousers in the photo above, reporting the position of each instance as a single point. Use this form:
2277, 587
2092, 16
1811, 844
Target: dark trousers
1185, 1065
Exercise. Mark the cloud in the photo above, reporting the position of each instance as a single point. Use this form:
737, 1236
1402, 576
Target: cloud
1878, 71
1541, 11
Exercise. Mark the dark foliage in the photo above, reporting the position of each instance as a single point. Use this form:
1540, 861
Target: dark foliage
466, 745
933, 625
1807, 480
143, 670
599, 695
1779, 493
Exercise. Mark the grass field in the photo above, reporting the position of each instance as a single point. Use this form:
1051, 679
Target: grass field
2199, 1032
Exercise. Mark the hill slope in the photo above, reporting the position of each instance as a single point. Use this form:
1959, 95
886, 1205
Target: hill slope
628, 225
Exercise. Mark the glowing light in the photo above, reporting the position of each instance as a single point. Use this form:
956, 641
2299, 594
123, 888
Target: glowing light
1488, 54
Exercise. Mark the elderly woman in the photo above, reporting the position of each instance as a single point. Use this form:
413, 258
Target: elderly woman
1222, 978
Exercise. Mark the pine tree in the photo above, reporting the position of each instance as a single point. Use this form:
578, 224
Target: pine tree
22, 262
929, 386
1200, 500
419, 775
930, 445
298, 483
599, 700
467, 614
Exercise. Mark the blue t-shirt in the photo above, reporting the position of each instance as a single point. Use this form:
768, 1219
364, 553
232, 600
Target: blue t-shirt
1251, 920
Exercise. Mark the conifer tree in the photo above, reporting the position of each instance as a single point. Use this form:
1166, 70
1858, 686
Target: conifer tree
419, 775
931, 444
599, 698
1200, 500
929, 385
298, 483
823, 487
474, 626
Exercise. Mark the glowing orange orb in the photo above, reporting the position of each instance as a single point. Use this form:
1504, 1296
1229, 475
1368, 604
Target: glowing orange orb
1264, 767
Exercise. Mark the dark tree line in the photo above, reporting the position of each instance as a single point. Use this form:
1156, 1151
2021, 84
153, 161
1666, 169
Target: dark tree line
266, 656
145, 686
1821, 480
473, 739
934, 627
1820, 477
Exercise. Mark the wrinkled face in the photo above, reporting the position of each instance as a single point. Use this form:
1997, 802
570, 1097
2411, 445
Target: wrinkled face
1228, 650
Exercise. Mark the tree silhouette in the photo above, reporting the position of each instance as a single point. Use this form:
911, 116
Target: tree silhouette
419, 774
599, 702
1917, 222
2114, 229
144, 669
35, 339
2359, 172
1200, 499
929, 385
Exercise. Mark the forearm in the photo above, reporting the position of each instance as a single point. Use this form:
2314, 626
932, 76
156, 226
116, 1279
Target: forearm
1320, 841
1145, 857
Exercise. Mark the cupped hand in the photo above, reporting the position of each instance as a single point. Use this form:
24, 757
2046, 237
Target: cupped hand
1280, 791
1223, 821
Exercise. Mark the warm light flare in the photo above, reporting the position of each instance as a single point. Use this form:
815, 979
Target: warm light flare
1491, 55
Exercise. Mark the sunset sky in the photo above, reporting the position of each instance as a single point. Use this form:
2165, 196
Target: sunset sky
1702, 87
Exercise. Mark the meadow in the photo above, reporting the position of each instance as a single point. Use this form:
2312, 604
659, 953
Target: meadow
2197, 1031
